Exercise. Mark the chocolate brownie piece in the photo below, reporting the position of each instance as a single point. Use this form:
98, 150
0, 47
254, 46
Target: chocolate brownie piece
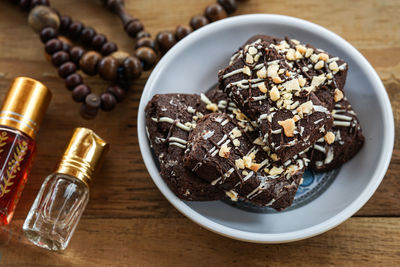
267, 88
169, 120
341, 143
220, 152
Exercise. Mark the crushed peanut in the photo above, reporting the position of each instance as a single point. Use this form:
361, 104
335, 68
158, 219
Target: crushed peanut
247, 161
239, 163
309, 52
249, 59
305, 108
301, 48
314, 58
262, 73
255, 167
290, 55
224, 151
258, 141
302, 81
323, 56
329, 138
298, 55
274, 157
277, 80
236, 142
333, 66
246, 70
236, 132
274, 94
338, 95
320, 64
275, 171
272, 70
212, 107
296, 118
262, 88
288, 127
252, 50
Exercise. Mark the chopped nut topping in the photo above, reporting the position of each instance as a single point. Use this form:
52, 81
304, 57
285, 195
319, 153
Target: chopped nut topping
236, 132
320, 64
239, 115
213, 107
236, 142
224, 151
301, 48
291, 169
333, 66
255, 167
262, 73
274, 94
245, 172
318, 80
309, 52
290, 55
295, 41
298, 55
323, 56
314, 58
239, 163
259, 141
292, 85
288, 127
249, 59
246, 70
256, 57
266, 148
274, 157
277, 80
287, 74
296, 118
252, 50
273, 70
266, 170
329, 138
329, 76
275, 171
302, 81
338, 95
262, 88
305, 108
247, 161
252, 155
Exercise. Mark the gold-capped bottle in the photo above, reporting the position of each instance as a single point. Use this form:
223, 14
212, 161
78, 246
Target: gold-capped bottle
64, 194
22, 112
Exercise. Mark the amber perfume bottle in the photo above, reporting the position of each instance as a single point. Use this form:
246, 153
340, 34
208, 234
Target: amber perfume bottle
64, 194
20, 116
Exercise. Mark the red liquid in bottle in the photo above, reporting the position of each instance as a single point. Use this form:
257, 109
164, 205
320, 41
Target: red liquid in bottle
16, 155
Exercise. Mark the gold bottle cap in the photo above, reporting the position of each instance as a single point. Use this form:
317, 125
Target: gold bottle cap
83, 156
25, 104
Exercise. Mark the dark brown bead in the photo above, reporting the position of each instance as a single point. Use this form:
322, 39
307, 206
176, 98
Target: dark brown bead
65, 21
108, 101
43, 16
76, 53
67, 44
117, 91
132, 68
53, 46
215, 12
108, 68
47, 34
24, 4
80, 92
120, 56
92, 101
147, 56
73, 80
198, 21
147, 42
66, 69
182, 31
133, 27
39, 3
108, 48
230, 6
89, 62
87, 35
165, 40
142, 34
98, 41
75, 29
59, 58
88, 113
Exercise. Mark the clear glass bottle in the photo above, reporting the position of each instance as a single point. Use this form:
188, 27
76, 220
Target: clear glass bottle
21, 114
64, 194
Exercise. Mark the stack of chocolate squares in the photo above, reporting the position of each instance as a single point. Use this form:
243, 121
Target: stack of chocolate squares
279, 108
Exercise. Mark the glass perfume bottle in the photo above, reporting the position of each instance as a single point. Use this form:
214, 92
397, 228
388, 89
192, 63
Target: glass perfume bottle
22, 112
64, 194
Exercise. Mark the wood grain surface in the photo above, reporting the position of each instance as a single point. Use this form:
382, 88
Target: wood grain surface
128, 222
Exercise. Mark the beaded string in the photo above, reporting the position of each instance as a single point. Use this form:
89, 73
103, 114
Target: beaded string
94, 54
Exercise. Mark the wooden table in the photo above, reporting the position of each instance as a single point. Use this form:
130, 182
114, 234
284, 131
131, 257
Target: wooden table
128, 221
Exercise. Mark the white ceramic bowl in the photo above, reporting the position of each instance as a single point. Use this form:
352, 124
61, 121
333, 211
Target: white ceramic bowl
191, 67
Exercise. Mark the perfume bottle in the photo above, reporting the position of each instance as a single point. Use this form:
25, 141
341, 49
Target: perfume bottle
64, 194
20, 116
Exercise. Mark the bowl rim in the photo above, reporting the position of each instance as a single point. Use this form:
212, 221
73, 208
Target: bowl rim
353, 207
